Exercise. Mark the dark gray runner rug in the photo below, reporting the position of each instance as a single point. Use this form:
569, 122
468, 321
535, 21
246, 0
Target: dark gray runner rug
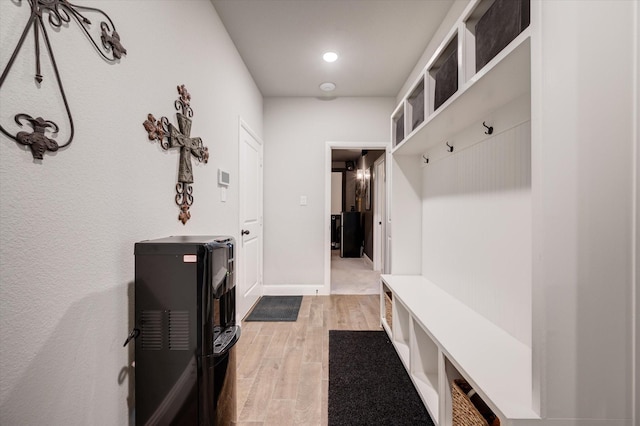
276, 308
368, 384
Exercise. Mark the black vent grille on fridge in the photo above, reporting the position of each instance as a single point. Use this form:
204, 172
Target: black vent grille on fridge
178, 330
151, 330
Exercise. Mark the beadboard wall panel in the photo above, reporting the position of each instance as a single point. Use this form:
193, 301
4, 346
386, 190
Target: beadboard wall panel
476, 241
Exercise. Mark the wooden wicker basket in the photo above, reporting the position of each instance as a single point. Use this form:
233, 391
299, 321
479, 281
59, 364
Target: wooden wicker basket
467, 412
387, 309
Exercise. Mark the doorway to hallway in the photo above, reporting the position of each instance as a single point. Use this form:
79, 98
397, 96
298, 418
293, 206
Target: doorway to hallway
355, 216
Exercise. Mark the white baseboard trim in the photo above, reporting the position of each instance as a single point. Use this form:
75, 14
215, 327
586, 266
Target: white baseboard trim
577, 422
366, 259
295, 290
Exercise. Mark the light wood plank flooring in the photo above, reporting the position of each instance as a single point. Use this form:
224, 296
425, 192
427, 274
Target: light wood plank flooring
283, 367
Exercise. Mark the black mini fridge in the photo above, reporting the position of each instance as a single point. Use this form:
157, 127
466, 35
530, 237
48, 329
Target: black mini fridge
185, 331
350, 235
335, 231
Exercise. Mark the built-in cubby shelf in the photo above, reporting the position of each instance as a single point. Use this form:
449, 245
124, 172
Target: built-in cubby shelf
386, 306
496, 364
443, 74
468, 75
415, 107
400, 331
438, 336
480, 192
505, 78
424, 358
397, 125
489, 28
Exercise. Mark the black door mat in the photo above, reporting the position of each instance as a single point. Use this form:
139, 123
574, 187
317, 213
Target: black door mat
368, 385
276, 308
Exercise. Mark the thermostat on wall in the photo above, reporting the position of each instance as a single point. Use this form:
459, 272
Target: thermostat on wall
223, 177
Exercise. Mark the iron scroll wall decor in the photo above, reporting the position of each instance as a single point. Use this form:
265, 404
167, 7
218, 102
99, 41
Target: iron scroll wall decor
60, 13
168, 136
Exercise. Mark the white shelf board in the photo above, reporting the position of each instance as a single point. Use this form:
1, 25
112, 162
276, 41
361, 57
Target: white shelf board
403, 352
505, 78
428, 392
496, 364
428, 381
385, 326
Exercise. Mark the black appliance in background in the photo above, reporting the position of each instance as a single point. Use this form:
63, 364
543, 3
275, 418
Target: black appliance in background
351, 234
335, 231
185, 320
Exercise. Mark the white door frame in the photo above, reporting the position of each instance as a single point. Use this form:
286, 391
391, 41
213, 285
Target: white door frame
379, 215
636, 248
243, 125
331, 145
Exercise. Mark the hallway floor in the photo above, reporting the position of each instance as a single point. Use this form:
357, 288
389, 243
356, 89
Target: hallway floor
282, 367
353, 275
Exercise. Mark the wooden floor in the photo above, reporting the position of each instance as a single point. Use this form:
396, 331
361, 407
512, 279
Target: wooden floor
282, 367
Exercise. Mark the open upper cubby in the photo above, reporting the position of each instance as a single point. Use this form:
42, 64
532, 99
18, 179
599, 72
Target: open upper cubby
443, 74
415, 108
489, 28
397, 126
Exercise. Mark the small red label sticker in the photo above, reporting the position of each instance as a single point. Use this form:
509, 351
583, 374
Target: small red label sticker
190, 258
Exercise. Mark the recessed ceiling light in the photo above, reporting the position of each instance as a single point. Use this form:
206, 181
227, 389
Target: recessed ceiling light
327, 87
330, 56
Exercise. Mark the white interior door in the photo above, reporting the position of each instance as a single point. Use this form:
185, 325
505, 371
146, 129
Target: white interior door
249, 269
379, 217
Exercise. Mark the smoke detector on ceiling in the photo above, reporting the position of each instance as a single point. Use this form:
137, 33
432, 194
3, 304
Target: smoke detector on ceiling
328, 87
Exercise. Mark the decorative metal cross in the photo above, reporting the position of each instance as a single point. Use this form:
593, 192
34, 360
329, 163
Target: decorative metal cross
169, 137
60, 13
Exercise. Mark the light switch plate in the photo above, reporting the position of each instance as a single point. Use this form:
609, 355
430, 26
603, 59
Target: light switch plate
303, 200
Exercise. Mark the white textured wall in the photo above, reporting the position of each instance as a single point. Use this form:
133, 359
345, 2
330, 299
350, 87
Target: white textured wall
68, 223
295, 132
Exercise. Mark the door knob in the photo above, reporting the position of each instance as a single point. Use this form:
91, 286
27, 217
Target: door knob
245, 232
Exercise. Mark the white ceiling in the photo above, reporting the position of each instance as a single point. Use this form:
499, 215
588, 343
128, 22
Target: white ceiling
379, 42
